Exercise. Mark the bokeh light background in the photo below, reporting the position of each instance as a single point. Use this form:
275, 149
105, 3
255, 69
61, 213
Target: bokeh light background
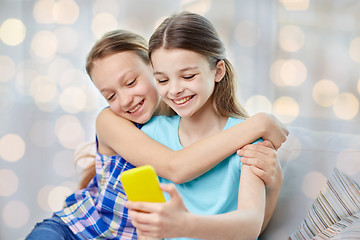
297, 59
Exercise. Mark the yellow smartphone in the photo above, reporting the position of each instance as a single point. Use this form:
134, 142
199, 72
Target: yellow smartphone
142, 184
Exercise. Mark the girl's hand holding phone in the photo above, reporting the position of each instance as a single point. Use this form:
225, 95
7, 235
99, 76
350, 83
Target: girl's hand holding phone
160, 220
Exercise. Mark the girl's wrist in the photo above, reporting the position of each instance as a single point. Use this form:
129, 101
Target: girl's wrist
260, 124
189, 224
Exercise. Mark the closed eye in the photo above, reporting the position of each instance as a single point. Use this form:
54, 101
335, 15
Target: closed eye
111, 97
162, 81
131, 83
189, 76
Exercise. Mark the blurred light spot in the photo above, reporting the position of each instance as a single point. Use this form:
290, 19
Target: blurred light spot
42, 11
8, 182
42, 197
64, 163
291, 38
354, 50
70, 78
200, 7
286, 109
107, 6
102, 23
44, 44
85, 154
16, 214
348, 161
247, 33
7, 68
12, 32
288, 72
325, 92
293, 72
12, 147
58, 67
93, 99
313, 183
73, 77
67, 39
72, 99
258, 103
69, 131
43, 89
275, 73
57, 197
72, 185
66, 11
41, 133
346, 106
295, 4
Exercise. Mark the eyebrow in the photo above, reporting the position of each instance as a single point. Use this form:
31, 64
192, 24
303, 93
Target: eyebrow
181, 70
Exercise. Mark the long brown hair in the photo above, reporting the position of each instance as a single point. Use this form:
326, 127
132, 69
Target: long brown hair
111, 43
196, 33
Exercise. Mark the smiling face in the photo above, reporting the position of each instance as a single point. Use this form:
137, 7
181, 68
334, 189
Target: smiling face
128, 85
185, 80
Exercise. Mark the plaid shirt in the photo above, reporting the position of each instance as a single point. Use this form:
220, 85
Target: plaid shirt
98, 212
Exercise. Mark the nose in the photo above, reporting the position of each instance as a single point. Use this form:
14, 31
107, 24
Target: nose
125, 99
175, 88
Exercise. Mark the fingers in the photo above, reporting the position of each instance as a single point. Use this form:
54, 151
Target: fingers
267, 143
261, 158
172, 191
142, 206
257, 151
262, 174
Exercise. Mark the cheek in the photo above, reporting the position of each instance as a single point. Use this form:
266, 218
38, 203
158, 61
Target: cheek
153, 96
115, 108
161, 89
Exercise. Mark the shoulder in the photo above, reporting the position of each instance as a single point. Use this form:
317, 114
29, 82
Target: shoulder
104, 114
107, 117
232, 121
163, 122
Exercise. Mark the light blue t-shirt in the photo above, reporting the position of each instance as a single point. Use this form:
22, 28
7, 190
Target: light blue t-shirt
214, 192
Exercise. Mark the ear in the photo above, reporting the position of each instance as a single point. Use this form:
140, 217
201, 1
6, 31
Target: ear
220, 70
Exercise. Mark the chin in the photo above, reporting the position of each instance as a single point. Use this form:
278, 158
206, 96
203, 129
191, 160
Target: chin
143, 119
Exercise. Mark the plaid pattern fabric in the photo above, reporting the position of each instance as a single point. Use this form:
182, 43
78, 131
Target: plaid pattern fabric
98, 212
335, 210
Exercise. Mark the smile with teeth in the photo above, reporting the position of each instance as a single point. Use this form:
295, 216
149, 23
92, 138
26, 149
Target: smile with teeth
136, 107
182, 100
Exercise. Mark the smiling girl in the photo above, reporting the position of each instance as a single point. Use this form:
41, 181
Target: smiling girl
196, 81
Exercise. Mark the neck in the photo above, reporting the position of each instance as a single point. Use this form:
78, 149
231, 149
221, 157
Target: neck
199, 126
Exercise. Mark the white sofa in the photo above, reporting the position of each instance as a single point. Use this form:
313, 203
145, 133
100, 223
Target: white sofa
308, 159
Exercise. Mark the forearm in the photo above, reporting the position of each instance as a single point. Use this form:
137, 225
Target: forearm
122, 137
248, 219
271, 201
203, 155
240, 224
198, 158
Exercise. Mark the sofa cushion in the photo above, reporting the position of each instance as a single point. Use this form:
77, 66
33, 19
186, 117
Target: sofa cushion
336, 208
308, 158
